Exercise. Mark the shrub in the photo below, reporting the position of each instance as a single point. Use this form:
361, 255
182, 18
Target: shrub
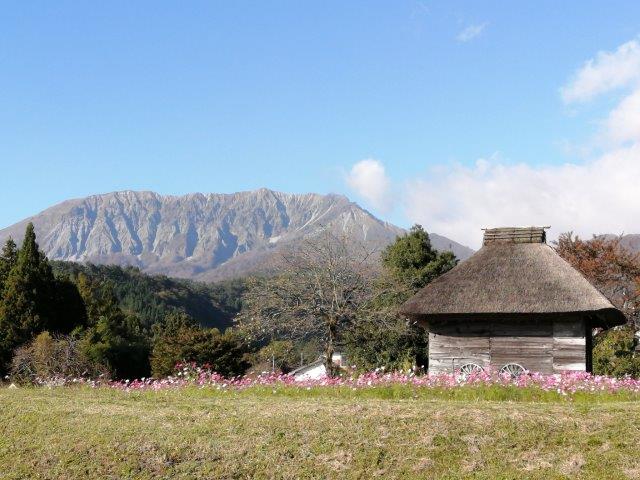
392, 343
49, 357
279, 355
614, 355
223, 353
117, 343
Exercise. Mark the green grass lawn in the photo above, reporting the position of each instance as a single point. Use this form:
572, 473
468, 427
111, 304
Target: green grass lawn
190, 433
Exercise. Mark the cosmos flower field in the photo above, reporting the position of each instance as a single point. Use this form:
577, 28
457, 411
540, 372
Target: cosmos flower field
566, 384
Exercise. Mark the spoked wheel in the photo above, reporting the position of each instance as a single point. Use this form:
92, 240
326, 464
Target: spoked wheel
514, 370
468, 369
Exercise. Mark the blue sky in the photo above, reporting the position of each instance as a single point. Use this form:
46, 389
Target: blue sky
443, 100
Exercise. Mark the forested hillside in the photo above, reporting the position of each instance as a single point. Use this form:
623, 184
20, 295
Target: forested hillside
152, 297
65, 319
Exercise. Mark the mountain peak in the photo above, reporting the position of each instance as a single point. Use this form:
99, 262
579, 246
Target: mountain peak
203, 236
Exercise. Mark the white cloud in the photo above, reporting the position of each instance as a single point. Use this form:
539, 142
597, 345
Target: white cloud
623, 123
471, 32
606, 72
595, 197
601, 195
369, 180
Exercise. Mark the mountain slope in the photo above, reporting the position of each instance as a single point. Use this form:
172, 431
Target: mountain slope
631, 241
201, 236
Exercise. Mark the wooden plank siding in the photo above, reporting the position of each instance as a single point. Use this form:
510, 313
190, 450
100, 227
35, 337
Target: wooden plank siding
569, 345
544, 345
533, 353
449, 353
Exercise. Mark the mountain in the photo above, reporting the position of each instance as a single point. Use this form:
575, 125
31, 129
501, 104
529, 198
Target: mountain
200, 236
631, 241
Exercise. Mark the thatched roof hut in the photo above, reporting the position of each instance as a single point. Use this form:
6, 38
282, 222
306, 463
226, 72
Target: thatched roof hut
513, 273
515, 286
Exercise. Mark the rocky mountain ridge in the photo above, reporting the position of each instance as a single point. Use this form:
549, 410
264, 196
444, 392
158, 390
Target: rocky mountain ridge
200, 236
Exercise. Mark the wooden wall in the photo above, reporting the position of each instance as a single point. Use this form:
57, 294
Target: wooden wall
545, 345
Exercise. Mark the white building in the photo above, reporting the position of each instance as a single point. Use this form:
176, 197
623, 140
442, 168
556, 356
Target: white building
316, 370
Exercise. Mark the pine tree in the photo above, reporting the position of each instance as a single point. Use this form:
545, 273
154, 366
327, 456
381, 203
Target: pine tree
113, 339
413, 260
8, 260
27, 304
99, 299
70, 311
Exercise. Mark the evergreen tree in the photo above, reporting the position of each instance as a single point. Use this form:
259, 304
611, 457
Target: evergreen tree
8, 260
99, 299
381, 337
172, 323
27, 304
112, 339
69, 309
413, 260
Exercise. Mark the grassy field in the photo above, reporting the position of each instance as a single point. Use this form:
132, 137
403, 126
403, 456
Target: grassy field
202, 433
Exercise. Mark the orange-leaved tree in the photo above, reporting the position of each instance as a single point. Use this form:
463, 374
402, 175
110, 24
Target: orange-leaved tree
610, 267
615, 271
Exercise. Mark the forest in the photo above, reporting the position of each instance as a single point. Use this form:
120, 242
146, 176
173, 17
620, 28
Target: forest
81, 320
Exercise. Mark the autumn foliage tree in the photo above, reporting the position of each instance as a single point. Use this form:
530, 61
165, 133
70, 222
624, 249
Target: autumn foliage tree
615, 271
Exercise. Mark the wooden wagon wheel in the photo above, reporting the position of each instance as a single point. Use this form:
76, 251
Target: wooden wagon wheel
468, 369
514, 370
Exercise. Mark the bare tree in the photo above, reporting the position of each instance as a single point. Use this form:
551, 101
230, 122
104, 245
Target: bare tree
319, 287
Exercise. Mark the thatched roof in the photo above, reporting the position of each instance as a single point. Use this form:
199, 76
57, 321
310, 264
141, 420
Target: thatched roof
515, 272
